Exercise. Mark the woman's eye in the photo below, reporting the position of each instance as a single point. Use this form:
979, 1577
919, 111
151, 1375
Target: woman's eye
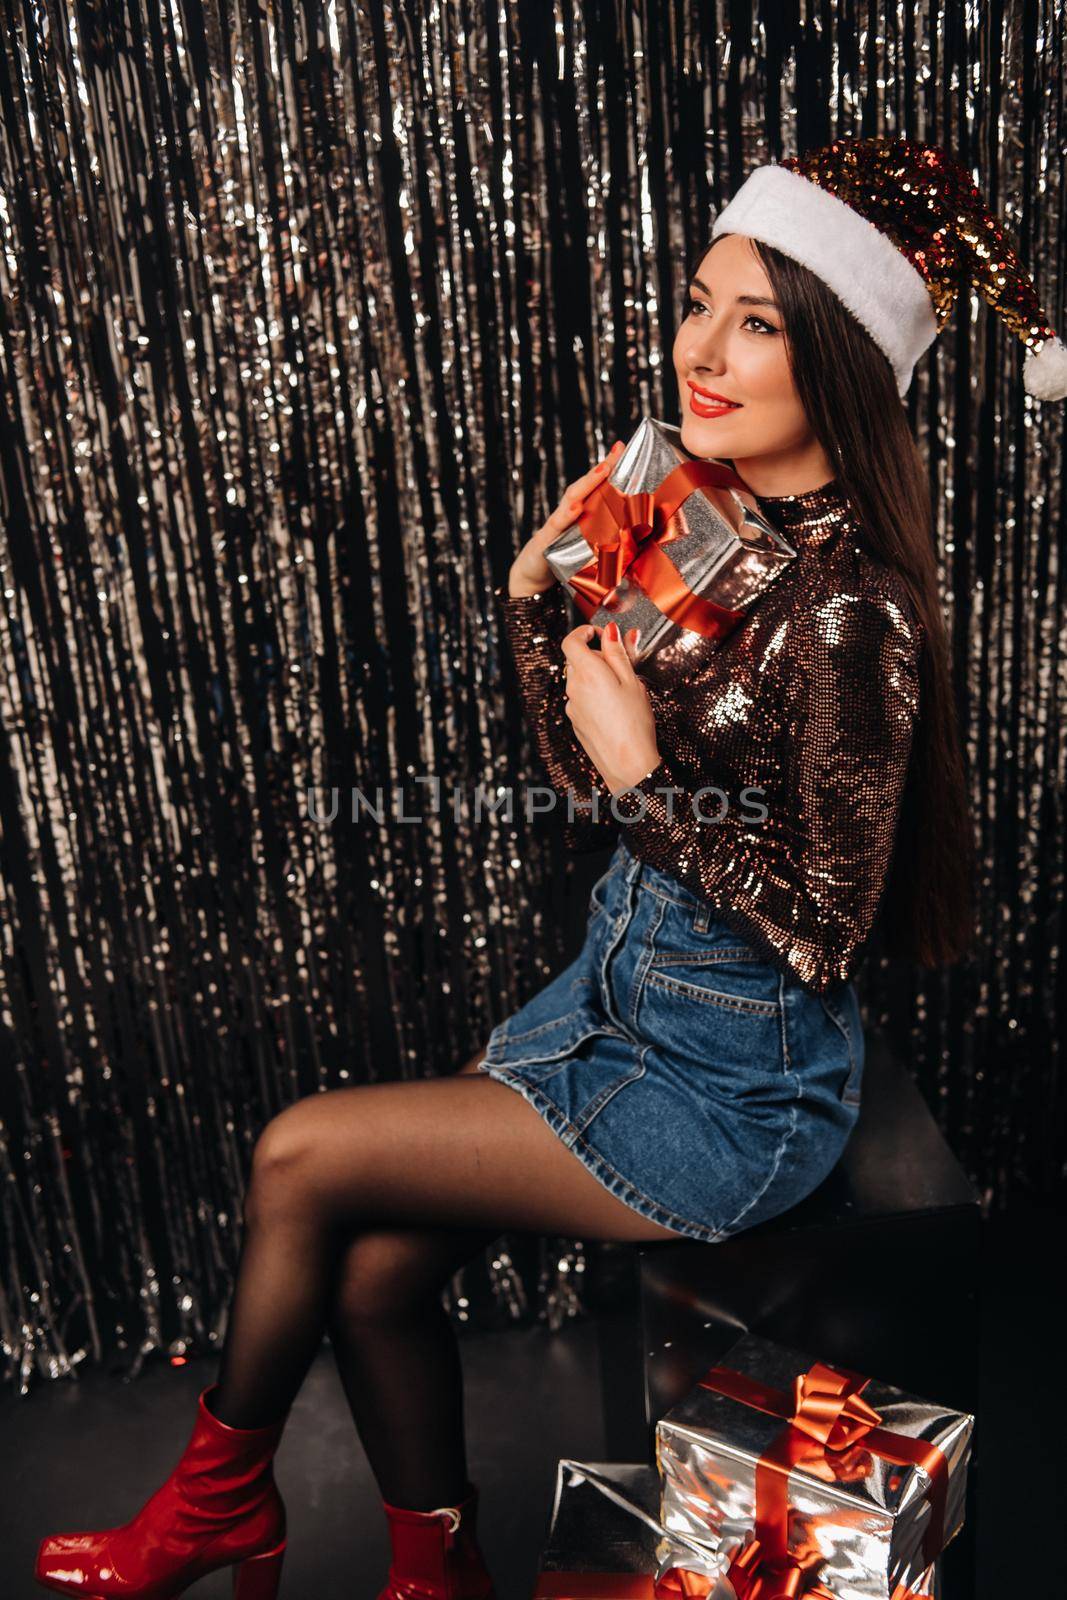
698, 305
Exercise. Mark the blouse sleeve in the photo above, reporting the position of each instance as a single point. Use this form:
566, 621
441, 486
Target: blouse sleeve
803, 885
535, 626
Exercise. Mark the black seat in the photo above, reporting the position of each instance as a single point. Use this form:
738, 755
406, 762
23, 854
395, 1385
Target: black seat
878, 1269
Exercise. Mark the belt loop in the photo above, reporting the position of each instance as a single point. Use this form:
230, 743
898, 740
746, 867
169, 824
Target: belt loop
633, 871
702, 917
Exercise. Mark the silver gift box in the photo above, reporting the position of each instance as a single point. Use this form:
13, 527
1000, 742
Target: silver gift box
727, 551
606, 1525
866, 1516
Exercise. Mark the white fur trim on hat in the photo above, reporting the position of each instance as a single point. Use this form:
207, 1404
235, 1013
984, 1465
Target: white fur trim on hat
1045, 371
869, 275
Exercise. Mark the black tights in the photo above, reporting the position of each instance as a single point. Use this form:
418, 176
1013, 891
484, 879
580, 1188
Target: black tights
398, 1357
362, 1204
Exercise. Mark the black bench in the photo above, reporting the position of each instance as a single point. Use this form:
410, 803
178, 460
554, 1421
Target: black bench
877, 1269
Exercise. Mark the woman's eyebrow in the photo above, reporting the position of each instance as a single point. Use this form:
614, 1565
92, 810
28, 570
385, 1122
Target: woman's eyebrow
742, 299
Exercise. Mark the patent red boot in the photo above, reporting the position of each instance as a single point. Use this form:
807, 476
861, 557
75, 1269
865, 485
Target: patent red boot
436, 1554
219, 1507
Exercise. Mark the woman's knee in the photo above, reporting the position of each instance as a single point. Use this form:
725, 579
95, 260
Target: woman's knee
283, 1158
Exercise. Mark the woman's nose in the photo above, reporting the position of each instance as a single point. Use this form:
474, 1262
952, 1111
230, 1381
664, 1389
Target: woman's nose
704, 349
703, 357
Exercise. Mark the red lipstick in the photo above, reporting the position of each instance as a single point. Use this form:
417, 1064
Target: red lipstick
709, 404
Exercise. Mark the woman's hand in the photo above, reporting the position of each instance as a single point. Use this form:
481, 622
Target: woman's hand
530, 572
608, 706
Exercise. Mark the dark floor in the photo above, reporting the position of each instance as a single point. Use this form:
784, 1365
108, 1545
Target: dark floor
87, 1454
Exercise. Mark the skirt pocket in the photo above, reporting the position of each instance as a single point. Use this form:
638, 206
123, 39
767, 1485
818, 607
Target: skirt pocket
708, 999
710, 964
718, 1016
727, 980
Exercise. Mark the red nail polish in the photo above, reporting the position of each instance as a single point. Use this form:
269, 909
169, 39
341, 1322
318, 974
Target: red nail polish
612, 631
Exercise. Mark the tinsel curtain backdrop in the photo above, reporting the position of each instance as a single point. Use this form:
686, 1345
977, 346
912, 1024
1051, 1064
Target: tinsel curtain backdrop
308, 312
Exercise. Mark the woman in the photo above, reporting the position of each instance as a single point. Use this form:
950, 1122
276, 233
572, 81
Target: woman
698, 1067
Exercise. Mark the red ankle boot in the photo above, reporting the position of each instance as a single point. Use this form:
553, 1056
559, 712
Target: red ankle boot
219, 1507
436, 1554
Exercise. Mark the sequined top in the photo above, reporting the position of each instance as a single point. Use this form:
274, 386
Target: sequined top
812, 700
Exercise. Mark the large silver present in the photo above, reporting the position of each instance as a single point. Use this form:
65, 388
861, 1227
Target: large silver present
817, 1466
668, 543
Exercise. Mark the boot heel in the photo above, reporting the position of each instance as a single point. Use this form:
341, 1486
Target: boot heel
258, 1577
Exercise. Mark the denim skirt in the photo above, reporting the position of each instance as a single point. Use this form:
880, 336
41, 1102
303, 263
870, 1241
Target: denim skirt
699, 1083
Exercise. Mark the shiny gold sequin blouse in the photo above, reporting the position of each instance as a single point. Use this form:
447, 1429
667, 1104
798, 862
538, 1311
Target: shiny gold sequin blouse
811, 700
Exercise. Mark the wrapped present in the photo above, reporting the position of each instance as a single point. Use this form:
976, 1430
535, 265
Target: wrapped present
668, 543
818, 1481
606, 1542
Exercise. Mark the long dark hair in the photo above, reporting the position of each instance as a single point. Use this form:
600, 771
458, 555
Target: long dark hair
926, 913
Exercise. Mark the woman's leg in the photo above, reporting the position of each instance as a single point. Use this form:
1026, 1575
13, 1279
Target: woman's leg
465, 1154
398, 1356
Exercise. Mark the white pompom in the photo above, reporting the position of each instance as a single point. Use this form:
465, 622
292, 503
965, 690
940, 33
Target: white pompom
1045, 371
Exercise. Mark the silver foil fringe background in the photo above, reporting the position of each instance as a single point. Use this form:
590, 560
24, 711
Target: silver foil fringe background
307, 315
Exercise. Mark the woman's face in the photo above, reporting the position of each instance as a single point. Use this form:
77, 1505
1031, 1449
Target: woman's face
732, 343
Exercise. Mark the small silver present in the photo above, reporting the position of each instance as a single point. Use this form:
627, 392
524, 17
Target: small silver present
605, 1541
848, 1477
668, 543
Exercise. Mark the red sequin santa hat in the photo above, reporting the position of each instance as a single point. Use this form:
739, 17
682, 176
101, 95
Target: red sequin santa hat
897, 229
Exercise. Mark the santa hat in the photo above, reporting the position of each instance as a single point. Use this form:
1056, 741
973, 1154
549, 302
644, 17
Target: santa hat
896, 229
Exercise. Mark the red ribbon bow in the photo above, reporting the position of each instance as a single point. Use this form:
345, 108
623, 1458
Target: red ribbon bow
626, 533
827, 1406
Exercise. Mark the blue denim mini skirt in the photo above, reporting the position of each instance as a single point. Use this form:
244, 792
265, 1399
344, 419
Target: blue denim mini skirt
701, 1085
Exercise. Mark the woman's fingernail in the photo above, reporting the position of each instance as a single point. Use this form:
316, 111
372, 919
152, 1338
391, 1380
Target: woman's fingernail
612, 631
